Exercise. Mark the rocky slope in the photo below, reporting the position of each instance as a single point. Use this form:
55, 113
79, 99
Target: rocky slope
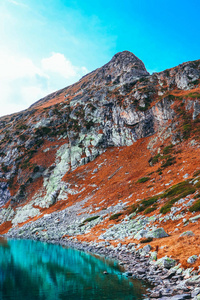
112, 159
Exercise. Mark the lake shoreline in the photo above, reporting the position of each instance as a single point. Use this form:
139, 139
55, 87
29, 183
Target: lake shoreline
168, 281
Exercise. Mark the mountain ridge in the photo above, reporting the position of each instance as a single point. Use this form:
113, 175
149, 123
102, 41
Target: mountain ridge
115, 148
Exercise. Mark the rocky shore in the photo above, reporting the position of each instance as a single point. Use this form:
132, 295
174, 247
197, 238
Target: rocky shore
168, 279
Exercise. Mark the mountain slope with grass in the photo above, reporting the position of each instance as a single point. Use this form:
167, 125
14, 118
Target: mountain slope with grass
113, 160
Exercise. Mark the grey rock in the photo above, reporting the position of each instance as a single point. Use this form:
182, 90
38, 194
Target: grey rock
166, 262
187, 233
192, 259
157, 233
147, 248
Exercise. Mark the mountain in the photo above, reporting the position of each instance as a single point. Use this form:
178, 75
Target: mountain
110, 158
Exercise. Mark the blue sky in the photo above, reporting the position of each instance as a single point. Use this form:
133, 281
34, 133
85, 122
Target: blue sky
46, 45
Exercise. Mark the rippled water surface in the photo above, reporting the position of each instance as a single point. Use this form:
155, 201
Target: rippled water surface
32, 270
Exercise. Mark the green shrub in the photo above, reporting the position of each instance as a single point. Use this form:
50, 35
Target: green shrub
197, 185
147, 202
194, 95
167, 149
187, 130
196, 173
22, 137
36, 169
89, 124
143, 179
4, 168
179, 188
148, 210
150, 201
42, 131
155, 159
196, 196
30, 180
175, 193
10, 182
132, 208
165, 208
146, 240
115, 216
22, 127
39, 142
169, 161
90, 219
195, 206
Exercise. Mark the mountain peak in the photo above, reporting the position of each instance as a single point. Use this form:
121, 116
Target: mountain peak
122, 68
125, 55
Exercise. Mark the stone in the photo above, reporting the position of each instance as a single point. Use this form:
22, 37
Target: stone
192, 259
194, 219
147, 248
166, 262
156, 294
142, 233
141, 271
182, 297
157, 233
187, 233
153, 256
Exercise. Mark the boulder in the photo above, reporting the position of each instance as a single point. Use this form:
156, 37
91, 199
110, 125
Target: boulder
157, 233
192, 259
142, 233
166, 262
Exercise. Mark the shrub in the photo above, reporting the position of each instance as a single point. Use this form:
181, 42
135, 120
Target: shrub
146, 240
186, 131
195, 206
196, 173
10, 182
36, 169
197, 185
169, 161
175, 193
4, 168
143, 179
22, 137
42, 131
148, 210
147, 202
150, 201
196, 196
179, 188
155, 159
90, 219
89, 124
115, 216
165, 208
22, 127
167, 149
132, 208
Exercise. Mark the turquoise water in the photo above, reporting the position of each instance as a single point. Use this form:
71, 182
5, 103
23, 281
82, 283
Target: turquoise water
32, 270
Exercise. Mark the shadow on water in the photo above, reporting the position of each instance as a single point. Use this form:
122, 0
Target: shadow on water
32, 270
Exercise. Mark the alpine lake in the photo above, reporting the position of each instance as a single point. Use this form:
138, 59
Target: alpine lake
32, 270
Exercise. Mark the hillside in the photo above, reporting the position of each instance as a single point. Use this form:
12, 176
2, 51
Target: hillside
108, 161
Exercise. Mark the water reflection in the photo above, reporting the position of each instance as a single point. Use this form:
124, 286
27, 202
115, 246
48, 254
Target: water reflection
32, 270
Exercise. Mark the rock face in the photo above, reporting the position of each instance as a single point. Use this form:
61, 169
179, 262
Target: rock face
124, 67
113, 106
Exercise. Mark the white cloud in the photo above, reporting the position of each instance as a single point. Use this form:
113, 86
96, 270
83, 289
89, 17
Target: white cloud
22, 81
57, 63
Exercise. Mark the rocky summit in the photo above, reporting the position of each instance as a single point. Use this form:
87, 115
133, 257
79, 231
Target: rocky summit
112, 164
